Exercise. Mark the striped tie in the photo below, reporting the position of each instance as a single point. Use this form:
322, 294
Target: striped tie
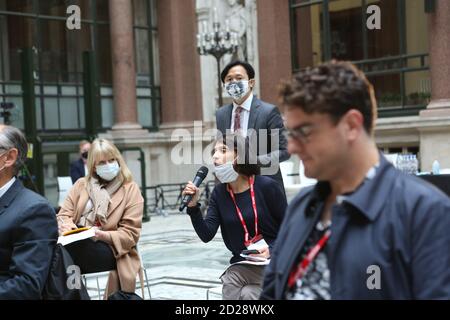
237, 118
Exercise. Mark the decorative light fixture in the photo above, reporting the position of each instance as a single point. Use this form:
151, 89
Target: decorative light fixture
217, 43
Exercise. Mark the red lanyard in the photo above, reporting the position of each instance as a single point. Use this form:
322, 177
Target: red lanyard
310, 256
255, 211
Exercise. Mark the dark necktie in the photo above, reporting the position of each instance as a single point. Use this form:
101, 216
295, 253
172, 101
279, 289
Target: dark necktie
237, 118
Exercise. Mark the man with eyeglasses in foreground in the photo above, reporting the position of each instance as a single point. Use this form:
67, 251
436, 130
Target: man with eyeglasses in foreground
365, 230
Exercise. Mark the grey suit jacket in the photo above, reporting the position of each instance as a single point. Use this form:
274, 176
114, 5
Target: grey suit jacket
262, 116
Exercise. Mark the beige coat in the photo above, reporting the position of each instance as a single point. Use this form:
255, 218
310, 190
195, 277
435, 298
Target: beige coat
124, 223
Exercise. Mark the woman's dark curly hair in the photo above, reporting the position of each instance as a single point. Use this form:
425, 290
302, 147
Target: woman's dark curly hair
333, 88
247, 156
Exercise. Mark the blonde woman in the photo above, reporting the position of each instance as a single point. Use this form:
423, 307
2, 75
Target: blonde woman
110, 201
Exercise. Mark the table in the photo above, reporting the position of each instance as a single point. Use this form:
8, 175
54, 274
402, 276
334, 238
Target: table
442, 181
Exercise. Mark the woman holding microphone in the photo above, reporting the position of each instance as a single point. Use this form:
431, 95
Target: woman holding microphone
249, 209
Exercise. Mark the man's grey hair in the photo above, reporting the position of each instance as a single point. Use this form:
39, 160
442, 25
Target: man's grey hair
11, 137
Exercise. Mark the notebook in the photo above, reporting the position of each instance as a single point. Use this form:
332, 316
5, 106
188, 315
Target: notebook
76, 235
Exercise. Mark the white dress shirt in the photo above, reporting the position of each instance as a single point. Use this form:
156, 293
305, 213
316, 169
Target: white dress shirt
245, 115
7, 186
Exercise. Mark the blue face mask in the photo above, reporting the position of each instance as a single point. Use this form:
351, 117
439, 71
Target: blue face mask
226, 173
237, 89
108, 171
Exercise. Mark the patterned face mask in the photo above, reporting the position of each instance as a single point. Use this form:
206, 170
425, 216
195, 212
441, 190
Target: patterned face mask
237, 89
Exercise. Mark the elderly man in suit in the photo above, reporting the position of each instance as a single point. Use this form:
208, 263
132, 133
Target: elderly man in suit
28, 228
254, 118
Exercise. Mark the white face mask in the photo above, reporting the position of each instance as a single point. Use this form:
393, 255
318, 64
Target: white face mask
237, 89
226, 173
108, 171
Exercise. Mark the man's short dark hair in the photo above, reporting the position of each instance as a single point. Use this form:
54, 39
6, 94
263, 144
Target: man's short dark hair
332, 88
247, 157
247, 66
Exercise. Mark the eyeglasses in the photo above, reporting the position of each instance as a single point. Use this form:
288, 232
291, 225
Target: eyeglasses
301, 133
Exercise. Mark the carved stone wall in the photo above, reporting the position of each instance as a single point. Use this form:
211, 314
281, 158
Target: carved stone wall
242, 18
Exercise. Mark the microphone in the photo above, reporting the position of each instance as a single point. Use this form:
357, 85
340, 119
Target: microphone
198, 179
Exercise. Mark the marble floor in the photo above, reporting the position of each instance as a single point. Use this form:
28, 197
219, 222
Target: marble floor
178, 264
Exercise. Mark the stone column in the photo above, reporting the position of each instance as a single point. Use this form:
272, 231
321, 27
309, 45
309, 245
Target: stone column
439, 48
123, 65
434, 138
126, 131
179, 64
274, 46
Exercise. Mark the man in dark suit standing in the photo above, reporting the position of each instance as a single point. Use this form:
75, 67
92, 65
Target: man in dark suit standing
28, 228
78, 168
253, 118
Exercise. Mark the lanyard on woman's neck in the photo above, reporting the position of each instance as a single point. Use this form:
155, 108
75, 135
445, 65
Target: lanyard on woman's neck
247, 240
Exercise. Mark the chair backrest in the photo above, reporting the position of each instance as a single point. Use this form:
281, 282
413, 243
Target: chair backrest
143, 273
287, 171
304, 180
64, 185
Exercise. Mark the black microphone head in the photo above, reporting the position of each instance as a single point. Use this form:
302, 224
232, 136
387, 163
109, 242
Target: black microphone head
198, 179
202, 172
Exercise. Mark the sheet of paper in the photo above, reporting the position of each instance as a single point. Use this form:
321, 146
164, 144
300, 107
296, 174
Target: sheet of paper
256, 260
252, 258
256, 263
65, 240
258, 245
